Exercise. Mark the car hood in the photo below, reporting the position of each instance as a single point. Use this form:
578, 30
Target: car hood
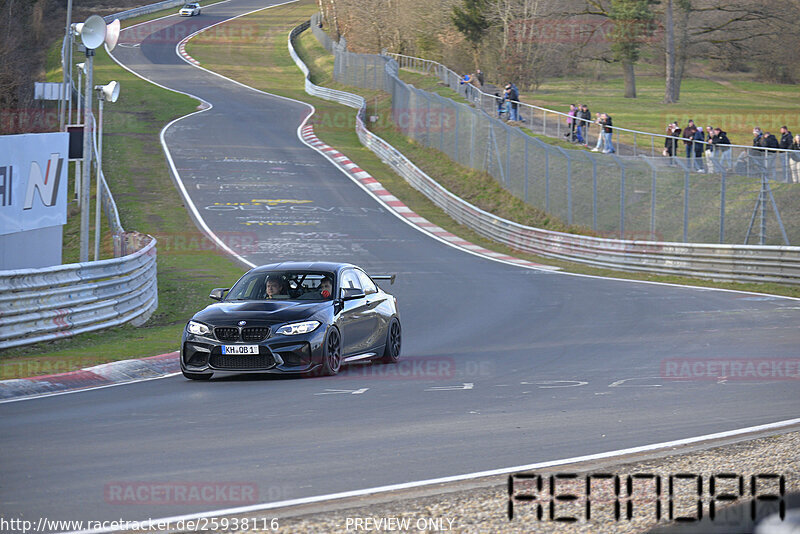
259, 311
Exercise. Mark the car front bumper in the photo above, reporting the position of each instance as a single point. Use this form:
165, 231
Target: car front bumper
279, 354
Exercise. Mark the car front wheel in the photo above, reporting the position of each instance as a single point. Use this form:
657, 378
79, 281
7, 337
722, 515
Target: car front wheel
332, 353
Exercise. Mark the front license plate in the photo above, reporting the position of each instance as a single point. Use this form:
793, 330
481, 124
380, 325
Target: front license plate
239, 349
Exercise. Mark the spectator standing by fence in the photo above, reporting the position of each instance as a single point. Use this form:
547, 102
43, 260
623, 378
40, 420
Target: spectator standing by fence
512, 95
786, 138
480, 78
600, 137
467, 80
688, 137
794, 160
721, 149
708, 150
671, 144
571, 119
608, 132
698, 146
584, 120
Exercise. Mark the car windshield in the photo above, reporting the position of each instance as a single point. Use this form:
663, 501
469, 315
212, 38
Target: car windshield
283, 285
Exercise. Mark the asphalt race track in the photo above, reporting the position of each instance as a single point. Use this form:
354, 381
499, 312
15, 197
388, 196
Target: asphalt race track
555, 365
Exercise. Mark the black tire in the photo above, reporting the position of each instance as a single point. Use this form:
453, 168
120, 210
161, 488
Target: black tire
196, 376
391, 353
332, 352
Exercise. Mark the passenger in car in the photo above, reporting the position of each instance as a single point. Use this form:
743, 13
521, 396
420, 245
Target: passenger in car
326, 288
277, 287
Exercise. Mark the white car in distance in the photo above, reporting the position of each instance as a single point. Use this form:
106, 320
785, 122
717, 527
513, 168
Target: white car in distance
190, 10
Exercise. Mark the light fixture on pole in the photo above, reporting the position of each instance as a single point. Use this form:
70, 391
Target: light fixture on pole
109, 92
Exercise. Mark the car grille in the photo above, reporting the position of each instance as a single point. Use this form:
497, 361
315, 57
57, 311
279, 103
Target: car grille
226, 333
241, 361
255, 333
251, 333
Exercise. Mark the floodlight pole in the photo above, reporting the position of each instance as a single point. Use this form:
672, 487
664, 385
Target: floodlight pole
87, 159
99, 196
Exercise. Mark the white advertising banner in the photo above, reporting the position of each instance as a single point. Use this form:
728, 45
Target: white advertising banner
33, 181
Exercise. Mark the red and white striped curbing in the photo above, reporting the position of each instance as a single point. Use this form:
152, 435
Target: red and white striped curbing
184, 54
378, 191
103, 375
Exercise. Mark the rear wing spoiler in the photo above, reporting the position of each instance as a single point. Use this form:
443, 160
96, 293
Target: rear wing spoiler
389, 277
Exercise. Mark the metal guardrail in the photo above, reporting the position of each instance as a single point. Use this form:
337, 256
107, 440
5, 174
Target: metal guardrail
63, 301
719, 262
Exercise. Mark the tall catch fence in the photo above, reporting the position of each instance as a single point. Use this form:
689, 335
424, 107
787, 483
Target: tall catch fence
640, 196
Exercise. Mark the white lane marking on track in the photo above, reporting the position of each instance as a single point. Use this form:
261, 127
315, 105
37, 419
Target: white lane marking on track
104, 386
343, 391
552, 384
465, 385
621, 383
470, 476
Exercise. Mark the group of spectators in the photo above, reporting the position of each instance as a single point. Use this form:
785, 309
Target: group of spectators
712, 145
708, 148
508, 103
763, 142
711, 142
579, 119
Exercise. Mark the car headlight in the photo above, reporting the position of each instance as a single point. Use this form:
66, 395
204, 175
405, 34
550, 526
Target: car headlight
198, 329
298, 328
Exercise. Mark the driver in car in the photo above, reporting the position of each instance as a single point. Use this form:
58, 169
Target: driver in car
277, 287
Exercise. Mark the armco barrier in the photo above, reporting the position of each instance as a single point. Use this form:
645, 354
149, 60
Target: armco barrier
66, 300
741, 263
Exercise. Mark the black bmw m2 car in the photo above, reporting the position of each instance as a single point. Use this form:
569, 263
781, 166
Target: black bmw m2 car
293, 317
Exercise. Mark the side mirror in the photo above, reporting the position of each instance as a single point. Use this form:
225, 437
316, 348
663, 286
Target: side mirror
218, 293
351, 293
